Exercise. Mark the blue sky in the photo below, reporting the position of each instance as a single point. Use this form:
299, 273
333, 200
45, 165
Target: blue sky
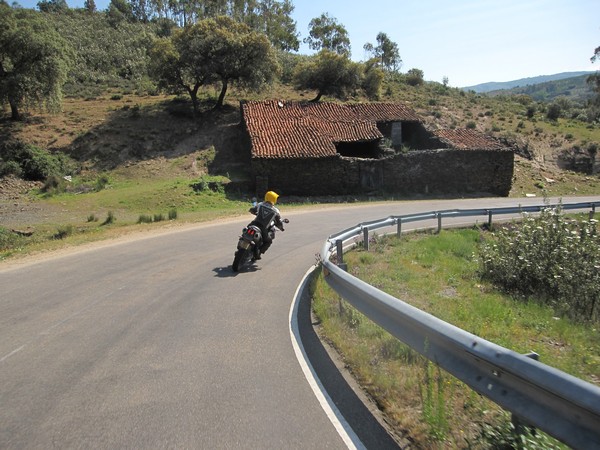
468, 41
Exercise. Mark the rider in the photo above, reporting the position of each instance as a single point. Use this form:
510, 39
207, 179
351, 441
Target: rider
267, 216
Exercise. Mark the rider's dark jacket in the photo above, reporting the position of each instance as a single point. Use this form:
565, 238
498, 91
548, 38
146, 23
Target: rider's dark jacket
267, 216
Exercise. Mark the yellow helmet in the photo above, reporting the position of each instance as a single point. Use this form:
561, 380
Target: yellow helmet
271, 197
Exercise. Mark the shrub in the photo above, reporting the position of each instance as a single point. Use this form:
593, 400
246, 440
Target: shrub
9, 240
471, 125
506, 435
172, 214
63, 232
54, 185
530, 112
554, 111
372, 82
144, 219
200, 186
34, 163
101, 182
549, 258
10, 168
110, 218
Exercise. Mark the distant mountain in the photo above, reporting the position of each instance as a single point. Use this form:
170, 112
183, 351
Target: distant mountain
496, 86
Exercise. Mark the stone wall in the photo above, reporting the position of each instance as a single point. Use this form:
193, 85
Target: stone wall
445, 171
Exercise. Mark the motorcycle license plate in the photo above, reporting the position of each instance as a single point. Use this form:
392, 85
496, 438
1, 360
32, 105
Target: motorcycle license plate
245, 245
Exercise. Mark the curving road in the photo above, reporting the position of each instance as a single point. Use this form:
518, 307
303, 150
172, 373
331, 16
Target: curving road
156, 343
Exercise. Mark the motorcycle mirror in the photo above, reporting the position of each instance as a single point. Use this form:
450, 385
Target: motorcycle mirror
286, 220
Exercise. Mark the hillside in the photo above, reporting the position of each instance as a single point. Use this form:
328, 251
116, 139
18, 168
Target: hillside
151, 152
575, 89
522, 82
116, 126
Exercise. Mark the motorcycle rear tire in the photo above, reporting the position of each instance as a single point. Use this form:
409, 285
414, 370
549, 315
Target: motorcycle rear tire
238, 259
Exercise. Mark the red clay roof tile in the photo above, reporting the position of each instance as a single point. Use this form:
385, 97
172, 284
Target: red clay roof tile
281, 129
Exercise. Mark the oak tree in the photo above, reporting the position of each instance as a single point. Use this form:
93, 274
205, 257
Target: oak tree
216, 50
329, 73
34, 61
236, 53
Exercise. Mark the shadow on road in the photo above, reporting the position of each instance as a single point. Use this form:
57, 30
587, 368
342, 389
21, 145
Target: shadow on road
226, 272
355, 411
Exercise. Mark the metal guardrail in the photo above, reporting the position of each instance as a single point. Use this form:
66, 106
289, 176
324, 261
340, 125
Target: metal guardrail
561, 405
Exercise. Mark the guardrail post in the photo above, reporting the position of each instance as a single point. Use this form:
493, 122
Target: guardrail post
592, 212
490, 214
439, 218
399, 231
366, 238
339, 247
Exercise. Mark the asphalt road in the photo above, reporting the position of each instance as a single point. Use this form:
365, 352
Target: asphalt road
156, 343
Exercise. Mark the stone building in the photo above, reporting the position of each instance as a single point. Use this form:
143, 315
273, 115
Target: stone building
304, 148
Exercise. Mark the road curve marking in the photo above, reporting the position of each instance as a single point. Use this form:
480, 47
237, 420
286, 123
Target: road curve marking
333, 413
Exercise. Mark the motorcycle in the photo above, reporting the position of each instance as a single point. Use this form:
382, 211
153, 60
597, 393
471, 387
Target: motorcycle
248, 247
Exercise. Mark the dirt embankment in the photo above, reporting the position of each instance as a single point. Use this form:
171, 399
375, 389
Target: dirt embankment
18, 208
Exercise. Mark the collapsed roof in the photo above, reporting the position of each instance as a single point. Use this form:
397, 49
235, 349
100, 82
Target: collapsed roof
284, 129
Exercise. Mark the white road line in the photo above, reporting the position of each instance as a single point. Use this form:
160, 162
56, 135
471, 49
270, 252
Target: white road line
333, 413
12, 353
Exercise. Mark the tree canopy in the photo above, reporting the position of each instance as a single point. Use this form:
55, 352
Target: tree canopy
34, 61
386, 51
372, 80
272, 17
106, 50
326, 33
329, 73
415, 77
217, 50
52, 5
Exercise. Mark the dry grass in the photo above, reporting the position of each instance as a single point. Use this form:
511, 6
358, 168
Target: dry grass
154, 139
116, 130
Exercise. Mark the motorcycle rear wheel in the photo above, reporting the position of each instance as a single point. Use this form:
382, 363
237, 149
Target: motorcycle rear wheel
238, 259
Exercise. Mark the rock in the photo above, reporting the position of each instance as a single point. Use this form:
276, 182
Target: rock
26, 233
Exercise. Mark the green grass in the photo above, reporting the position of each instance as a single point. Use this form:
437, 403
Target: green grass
439, 274
116, 209
132, 197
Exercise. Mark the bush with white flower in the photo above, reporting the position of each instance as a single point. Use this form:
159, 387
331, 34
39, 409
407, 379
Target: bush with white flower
549, 258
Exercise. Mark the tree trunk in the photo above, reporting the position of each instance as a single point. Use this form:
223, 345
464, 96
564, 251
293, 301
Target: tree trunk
14, 110
194, 96
222, 94
317, 98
